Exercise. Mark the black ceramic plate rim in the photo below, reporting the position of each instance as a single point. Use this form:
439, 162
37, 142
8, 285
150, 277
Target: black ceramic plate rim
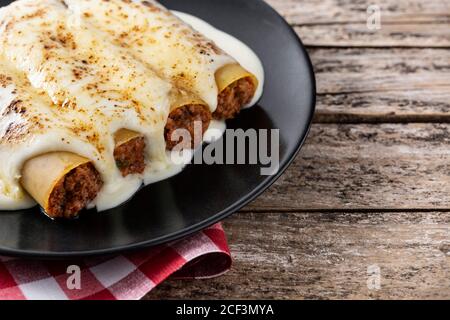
210, 221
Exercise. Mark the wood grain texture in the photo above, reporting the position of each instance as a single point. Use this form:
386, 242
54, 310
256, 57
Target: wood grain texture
418, 105
364, 166
326, 256
372, 84
342, 23
369, 70
314, 12
434, 35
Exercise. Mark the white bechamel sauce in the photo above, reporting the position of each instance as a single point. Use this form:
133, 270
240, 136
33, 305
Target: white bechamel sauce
118, 189
242, 53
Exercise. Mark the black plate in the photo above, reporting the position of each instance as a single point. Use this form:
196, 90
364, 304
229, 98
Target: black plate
202, 194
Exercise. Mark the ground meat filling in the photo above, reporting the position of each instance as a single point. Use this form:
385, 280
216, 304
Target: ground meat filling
74, 191
130, 157
185, 118
233, 98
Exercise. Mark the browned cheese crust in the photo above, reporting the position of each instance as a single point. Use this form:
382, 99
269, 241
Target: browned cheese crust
74, 192
185, 118
130, 157
233, 98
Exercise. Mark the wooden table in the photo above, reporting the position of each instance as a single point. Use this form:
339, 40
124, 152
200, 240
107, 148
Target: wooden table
371, 187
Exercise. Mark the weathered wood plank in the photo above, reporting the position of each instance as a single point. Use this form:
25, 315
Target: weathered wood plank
350, 166
368, 70
382, 83
426, 105
389, 35
411, 23
326, 255
313, 12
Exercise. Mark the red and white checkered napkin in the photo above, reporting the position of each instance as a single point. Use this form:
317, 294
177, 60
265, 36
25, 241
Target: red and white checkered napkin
127, 276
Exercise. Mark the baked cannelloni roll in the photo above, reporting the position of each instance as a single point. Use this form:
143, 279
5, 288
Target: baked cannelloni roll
63, 183
129, 152
174, 50
236, 88
186, 111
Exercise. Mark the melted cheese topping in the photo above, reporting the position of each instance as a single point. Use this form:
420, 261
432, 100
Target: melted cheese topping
67, 83
233, 47
157, 37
